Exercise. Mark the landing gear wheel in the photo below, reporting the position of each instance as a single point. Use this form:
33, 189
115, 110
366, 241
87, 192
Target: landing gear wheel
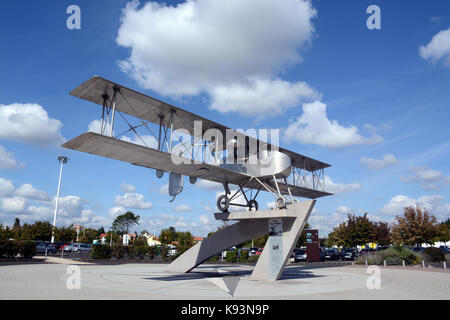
252, 205
281, 202
223, 203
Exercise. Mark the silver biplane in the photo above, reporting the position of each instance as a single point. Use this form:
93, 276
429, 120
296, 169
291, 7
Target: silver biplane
185, 144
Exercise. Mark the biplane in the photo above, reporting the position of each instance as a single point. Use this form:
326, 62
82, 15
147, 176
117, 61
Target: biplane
185, 144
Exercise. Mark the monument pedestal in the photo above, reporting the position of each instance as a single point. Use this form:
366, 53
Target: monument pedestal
283, 226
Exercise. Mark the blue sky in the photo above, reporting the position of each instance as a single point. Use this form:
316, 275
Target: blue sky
372, 103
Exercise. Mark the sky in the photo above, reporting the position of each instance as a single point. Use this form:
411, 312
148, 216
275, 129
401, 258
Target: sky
373, 103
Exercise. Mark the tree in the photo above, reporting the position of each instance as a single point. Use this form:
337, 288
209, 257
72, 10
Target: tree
185, 239
357, 230
168, 236
16, 230
302, 239
123, 223
65, 234
414, 227
382, 233
40, 230
443, 232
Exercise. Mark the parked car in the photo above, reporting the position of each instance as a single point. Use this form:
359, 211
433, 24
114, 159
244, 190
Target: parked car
69, 247
445, 250
259, 251
172, 251
332, 254
347, 254
300, 255
42, 247
81, 247
252, 251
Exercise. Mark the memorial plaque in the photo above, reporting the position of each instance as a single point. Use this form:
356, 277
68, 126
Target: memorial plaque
312, 246
275, 247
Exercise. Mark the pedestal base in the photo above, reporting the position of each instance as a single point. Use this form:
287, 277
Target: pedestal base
252, 224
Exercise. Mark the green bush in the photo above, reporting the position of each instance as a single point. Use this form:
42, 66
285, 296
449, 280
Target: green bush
130, 252
243, 256
100, 251
27, 248
393, 261
118, 251
394, 255
152, 252
2, 248
406, 254
214, 258
253, 258
11, 249
141, 251
433, 254
231, 256
165, 253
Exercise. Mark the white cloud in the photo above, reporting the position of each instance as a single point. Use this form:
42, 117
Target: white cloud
125, 187
132, 201
205, 219
183, 208
314, 127
116, 211
8, 161
94, 126
428, 178
142, 140
14, 205
164, 189
209, 185
204, 46
6, 187
30, 192
29, 123
19, 203
430, 203
447, 180
378, 164
438, 48
260, 97
339, 188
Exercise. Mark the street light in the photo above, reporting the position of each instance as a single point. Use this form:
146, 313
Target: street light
62, 160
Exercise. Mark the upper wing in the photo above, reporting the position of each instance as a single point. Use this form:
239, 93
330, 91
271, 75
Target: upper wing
101, 145
147, 108
94, 143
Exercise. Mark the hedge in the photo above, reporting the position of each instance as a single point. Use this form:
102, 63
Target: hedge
231, 256
122, 252
433, 254
11, 249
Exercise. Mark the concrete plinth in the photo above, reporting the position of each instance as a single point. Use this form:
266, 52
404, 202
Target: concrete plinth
252, 224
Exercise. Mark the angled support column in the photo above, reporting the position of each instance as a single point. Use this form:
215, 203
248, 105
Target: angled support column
278, 247
252, 224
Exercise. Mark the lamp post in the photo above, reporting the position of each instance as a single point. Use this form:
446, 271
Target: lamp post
62, 160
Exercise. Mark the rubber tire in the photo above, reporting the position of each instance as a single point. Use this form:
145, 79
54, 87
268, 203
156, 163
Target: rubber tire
223, 207
280, 202
254, 204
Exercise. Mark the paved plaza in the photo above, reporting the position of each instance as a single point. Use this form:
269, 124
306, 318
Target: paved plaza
150, 281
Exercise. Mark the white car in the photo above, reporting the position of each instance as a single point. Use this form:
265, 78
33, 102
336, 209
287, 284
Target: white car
172, 251
68, 248
81, 247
